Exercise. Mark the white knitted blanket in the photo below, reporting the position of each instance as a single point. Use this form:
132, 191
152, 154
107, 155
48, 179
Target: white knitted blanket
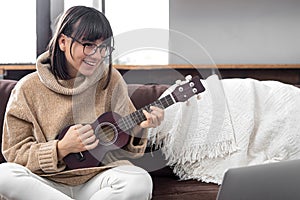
237, 122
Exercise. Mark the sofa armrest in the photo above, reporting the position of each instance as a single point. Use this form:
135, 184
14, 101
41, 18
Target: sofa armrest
5, 89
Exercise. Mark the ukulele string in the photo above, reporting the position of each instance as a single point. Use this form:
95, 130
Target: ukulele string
125, 123
109, 132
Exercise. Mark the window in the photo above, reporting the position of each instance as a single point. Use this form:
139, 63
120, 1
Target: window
18, 31
91, 3
135, 21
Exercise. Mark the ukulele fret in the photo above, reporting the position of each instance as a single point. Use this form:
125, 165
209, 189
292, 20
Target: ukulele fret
168, 101
138, 116
135, 117
125, 123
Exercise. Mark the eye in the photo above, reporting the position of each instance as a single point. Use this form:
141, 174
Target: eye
103, 46
89, 45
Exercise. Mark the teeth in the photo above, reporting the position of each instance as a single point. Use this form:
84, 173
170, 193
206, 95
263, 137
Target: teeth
90, 62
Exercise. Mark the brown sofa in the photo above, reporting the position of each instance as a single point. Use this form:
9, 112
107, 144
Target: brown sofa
166, 184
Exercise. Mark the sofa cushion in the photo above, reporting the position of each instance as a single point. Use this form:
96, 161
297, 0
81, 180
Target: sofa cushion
142, 95
5, 89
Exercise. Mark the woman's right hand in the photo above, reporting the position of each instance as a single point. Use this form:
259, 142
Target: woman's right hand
78, 138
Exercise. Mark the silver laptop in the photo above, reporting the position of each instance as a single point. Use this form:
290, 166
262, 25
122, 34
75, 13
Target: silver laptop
276, 181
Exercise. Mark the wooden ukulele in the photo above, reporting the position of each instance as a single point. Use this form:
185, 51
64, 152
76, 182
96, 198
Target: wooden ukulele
110, 128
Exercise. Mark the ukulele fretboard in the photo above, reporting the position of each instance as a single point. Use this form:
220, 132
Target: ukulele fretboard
131, 120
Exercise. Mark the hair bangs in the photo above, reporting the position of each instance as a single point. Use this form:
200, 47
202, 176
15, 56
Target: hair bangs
92, 27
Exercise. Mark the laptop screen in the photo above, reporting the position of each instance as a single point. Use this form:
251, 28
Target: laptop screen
274, 181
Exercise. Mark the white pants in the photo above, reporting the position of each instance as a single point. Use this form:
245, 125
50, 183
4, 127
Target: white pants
123, 182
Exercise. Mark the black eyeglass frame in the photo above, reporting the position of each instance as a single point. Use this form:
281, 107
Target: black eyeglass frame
108, 49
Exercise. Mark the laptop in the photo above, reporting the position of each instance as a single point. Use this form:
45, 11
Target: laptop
275, 181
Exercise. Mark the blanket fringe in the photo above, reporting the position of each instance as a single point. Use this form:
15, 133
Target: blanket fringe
198, 153
188, 162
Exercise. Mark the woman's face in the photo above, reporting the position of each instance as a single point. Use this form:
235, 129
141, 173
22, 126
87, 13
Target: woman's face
77, 61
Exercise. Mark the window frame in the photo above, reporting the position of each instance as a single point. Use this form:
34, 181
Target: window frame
43, 25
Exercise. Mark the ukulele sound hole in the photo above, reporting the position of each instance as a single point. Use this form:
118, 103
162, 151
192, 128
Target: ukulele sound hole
106, 133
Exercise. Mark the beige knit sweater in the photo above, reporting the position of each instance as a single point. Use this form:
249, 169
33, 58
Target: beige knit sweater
40, 107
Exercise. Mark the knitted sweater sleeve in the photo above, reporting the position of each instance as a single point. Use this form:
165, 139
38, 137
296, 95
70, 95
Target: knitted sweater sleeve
23, 139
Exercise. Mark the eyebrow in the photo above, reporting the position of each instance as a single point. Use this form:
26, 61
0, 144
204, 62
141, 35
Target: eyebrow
84, 39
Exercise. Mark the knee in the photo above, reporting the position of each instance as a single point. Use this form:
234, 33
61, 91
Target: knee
8, 172
5, 172
139, 184
142, 187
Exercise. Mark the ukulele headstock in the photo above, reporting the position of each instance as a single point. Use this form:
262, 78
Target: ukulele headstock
188, 89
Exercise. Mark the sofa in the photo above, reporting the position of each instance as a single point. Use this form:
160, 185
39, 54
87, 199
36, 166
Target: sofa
166, 184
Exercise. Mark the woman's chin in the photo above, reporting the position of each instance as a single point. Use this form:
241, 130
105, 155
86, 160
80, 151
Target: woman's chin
87, 71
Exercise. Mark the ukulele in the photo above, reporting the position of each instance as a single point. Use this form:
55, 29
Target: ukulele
110, 128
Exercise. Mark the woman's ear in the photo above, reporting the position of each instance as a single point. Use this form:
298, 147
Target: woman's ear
62, 42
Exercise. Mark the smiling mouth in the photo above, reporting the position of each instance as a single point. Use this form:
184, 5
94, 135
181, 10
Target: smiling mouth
91, 63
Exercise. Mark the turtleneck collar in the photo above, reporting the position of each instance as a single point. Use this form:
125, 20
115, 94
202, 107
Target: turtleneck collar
72, 86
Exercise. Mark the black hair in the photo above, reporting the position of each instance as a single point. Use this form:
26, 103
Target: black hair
80, 22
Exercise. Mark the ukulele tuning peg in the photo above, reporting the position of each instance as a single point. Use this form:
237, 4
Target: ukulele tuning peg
198, 96
178, 82
188, 78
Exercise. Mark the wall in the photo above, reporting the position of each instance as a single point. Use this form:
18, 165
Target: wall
235, 31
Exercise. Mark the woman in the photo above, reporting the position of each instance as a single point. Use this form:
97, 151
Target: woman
73, 85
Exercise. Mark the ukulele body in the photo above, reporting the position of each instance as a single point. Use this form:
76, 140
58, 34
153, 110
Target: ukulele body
110, 136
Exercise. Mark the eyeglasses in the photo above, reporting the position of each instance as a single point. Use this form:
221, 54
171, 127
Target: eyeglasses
90, 49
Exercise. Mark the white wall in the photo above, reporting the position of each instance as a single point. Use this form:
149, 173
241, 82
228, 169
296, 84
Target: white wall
236, 31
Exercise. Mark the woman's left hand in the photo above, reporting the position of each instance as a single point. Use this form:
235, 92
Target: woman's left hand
154, 118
